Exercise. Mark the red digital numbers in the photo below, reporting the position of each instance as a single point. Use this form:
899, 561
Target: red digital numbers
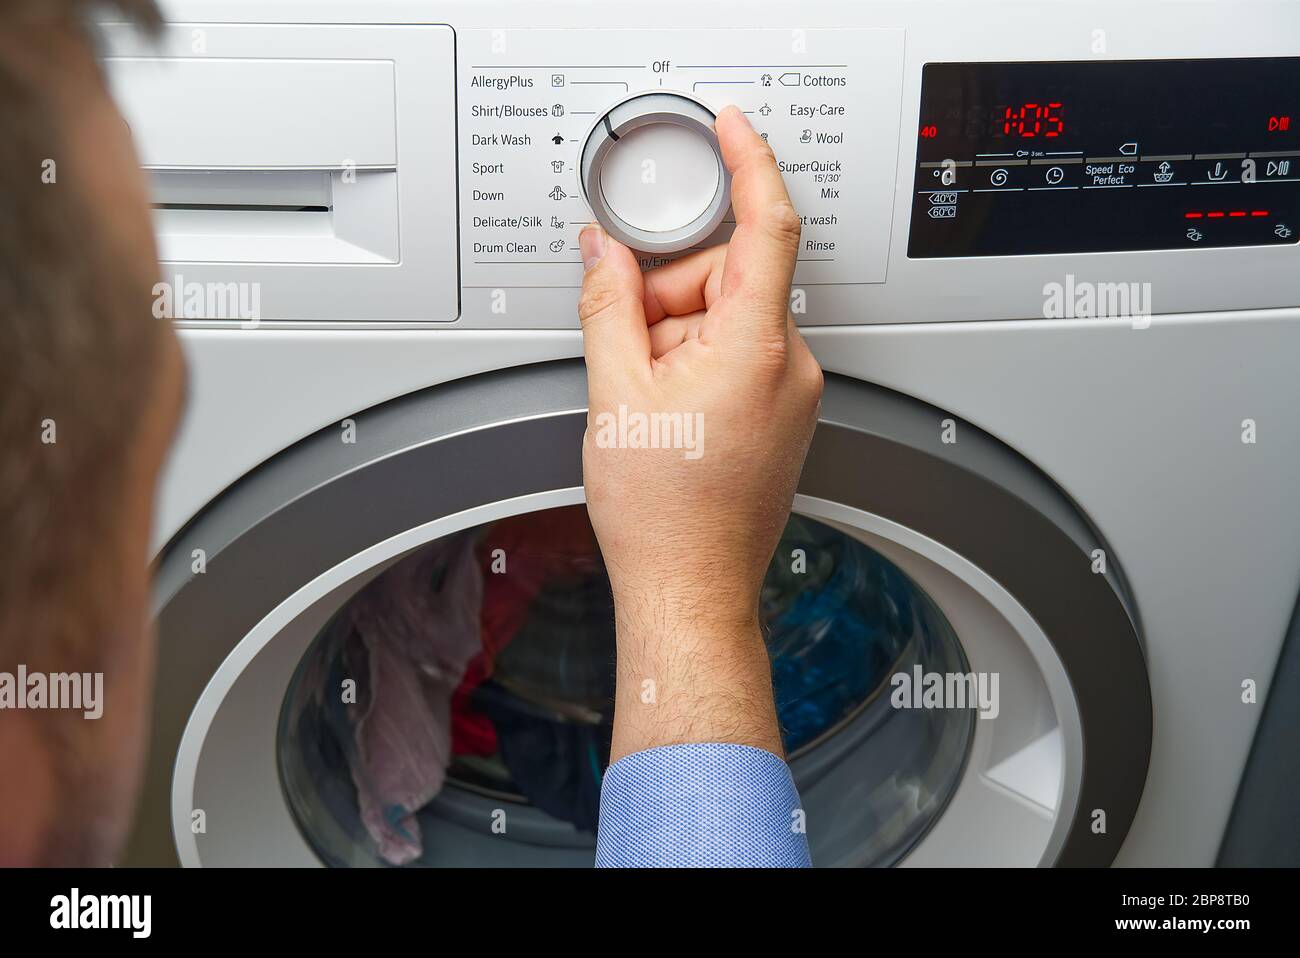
1033, 119
929, 131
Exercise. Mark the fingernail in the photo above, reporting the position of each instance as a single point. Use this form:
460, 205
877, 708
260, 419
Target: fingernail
592, 243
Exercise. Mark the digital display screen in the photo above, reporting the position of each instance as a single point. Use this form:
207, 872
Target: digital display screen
1080, 157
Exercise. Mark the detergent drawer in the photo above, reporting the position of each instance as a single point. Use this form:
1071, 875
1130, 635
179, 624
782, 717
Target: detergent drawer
282, 189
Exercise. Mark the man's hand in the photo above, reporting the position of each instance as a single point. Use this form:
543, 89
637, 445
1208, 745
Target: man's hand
687, 532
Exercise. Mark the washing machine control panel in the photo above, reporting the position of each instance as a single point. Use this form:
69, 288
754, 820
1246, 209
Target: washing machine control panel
1091, 157
560, 127
422, 163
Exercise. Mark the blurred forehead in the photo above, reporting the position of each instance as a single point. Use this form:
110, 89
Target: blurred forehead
53, 53
94, 153
53, 63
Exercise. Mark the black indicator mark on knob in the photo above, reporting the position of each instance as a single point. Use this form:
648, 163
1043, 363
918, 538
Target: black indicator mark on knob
610, 129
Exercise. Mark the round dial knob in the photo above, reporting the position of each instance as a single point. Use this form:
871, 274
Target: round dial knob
652, 172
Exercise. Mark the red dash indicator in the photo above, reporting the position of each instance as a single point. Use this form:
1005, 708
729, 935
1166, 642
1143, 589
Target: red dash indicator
1220, 214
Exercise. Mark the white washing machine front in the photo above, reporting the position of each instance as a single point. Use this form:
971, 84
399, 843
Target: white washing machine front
889, 590
398, 186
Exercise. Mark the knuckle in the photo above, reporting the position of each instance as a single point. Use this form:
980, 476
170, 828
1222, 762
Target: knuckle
808, 377
816, 383
784, 223
596, 302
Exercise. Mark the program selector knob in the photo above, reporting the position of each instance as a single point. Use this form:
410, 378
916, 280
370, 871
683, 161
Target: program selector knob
652, 172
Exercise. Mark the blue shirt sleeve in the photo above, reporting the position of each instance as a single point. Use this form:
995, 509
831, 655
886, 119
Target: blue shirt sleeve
708, 805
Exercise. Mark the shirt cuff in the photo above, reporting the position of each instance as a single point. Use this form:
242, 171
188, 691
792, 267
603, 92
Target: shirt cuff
700, 806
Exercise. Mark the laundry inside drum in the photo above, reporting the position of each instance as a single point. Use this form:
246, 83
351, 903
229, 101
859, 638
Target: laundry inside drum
457, 710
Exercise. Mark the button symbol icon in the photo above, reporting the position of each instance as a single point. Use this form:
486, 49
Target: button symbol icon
557, 79
805, 136
767, 79
1195, 235
1278, 168
790, 79
998, 177
557, 110
1218, 173
765, 110
1282, 231
1054, 175
1164, 172
557, 194
557, 166
557, 140
557, 246
1129, 149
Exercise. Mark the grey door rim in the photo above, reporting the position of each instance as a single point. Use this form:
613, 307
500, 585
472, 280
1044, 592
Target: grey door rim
519, 431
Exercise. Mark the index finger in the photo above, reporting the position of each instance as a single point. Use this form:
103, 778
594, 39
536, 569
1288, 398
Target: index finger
762, 252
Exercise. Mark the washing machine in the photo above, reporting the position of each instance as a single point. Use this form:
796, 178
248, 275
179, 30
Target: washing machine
1049, 264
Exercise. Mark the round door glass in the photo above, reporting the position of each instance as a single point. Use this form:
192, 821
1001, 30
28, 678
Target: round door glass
457, 709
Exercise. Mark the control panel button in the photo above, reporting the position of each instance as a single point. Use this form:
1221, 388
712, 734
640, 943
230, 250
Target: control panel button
652, 172
659, 178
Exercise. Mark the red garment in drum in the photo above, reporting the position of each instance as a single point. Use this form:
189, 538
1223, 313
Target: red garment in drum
534, 548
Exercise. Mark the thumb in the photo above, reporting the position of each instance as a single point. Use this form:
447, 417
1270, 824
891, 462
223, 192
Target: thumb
615, 338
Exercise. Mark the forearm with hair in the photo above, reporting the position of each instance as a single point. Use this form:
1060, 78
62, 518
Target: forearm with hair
683, 679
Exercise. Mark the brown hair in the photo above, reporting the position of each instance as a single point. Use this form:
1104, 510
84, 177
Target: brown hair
73, 342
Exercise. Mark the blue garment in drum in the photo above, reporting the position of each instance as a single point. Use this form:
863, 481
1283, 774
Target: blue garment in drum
836, 641
556, 763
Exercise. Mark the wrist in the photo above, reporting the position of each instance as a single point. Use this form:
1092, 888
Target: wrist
696, 605
688, 678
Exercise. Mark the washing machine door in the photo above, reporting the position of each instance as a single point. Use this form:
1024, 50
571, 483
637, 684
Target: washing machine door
398, 650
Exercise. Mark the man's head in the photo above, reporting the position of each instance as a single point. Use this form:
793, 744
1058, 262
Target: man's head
90, 385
